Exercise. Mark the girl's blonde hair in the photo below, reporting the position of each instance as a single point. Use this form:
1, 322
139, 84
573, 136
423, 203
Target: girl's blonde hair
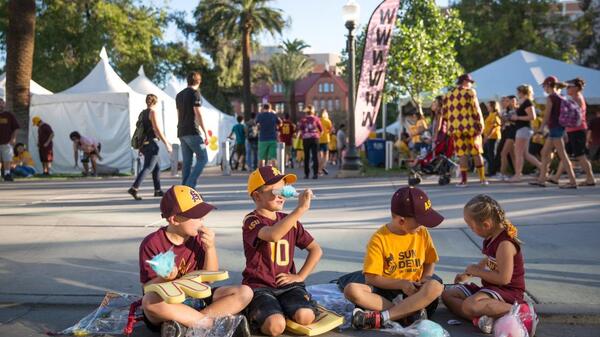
526, 90
151, 99
483, 208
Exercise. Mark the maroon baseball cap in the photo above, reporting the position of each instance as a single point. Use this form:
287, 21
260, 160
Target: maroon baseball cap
185, 201
465, 77
550, 81
412, 202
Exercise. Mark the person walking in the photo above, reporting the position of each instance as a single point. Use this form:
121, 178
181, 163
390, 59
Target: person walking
189, 126
45, 145
240, 143
8, 138
555, 141
268, 123
150, 149
507, 151
577, 136
310, 129
287, 129
252, 143
522, 118
491, 134
324, 142
342, 143
465, 124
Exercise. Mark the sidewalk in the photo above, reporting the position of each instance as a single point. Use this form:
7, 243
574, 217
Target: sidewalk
67, 242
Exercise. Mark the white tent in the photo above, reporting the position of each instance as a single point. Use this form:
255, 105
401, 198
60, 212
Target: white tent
503, 76
101, 106
217, 123
166, 112
34, 88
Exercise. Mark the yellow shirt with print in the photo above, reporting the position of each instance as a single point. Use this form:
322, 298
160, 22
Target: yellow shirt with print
416, 130
492, 125
326, 134
399, 256
23, 159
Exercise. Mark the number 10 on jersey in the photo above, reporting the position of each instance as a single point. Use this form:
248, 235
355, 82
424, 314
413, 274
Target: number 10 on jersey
280, 252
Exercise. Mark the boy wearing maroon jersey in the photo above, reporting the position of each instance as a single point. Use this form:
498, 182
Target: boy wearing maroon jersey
270, 237
194, 246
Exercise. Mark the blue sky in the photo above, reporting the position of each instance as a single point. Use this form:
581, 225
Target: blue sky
317, 22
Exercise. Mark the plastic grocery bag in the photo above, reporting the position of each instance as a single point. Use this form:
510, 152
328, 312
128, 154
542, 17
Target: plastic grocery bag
420, 328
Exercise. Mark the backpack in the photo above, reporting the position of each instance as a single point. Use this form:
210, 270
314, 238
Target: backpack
139, 135
570, 113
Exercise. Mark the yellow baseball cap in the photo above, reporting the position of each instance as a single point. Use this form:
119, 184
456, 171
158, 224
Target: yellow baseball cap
185, 201
36, 120
267, 175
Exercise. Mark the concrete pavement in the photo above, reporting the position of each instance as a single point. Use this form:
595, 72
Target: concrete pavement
66, 242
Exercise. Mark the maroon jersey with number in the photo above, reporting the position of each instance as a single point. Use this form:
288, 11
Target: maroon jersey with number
189, 256
516, 286
265, 260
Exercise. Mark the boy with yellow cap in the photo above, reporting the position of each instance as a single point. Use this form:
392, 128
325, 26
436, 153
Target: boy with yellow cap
45, 136
193, 244
270, 237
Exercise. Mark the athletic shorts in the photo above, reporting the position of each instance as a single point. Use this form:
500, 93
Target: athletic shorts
267, 150
465, 145
323, 147
46, 154
6, 152
195, 303
391, 294
285, 301
498, 293
510, 132
576, 145
240, 149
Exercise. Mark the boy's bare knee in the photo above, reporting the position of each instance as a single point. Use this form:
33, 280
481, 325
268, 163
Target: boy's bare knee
351, 290
304, 316
274, 325
245, 293
434, 289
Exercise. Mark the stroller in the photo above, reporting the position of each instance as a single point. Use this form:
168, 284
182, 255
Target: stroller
436, 161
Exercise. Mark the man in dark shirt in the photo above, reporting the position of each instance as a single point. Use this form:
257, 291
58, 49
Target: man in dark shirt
268, 123
45, 136
189, 119
8, 138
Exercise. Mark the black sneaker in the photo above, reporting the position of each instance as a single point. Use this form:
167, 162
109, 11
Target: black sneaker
8, 177
159, 193
362, 319
134, 194
243, 329
325, 171
172, 329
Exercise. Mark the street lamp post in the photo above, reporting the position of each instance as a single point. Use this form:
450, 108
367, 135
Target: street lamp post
351, 164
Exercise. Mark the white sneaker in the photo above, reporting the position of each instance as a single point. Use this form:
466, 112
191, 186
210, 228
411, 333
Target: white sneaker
484, 323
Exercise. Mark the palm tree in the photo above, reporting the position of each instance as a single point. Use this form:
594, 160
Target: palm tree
245, 18
19, 59
287, 69
294, 46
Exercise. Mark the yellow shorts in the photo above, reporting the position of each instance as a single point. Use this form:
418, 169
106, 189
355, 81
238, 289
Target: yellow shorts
465, 145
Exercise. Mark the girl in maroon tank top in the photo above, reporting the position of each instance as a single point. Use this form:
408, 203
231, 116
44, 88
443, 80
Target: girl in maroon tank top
501, 270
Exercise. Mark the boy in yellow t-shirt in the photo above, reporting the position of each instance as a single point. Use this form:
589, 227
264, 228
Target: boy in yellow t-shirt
399, 265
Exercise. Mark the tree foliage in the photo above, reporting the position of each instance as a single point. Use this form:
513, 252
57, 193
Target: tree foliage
503, 26
422, 56
587, 39
240, 20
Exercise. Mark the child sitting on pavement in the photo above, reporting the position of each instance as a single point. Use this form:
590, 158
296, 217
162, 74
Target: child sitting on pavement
399, 265
194, 246
270, 238
501, 271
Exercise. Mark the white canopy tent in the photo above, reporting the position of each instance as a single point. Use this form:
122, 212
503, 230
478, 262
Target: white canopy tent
101, 106
503, 76
34, 88
217, 123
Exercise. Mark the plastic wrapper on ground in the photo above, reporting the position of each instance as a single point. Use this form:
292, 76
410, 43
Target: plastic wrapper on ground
329, 296
420, 328
110, 318
222, 327
510, 325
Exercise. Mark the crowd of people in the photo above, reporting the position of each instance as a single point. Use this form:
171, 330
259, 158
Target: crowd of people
312, 143
500, 137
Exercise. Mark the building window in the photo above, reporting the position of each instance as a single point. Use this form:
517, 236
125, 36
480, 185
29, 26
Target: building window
320, 87
279, 107
300, 106
330, 104
331, 87
322, 104
315, 104
337, 104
